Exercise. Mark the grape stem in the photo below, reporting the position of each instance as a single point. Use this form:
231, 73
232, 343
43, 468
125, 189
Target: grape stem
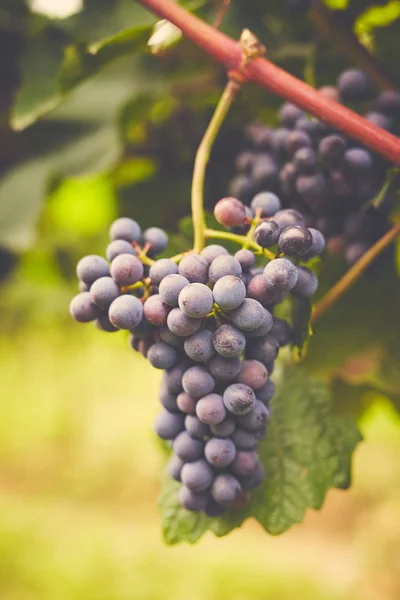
354, 273
243, 240
202, 157
332, 24
264, 73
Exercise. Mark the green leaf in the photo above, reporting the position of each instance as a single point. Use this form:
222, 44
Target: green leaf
301, 323
306, 451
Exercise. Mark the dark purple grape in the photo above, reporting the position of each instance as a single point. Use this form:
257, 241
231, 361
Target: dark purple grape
197, 476
296, 140
212, 251
307, 283
289, 114
266, 393
175, 466
331, 149
224, 265
126, 312
125, 229
253, 481
168, 425
257, 290
118, 247
196, 300
389, 103
181, 325
250, 316
169, 338
229, 341
264, 349
170, 288
265, 171
126, 270
239, 399
82, 308
197, 382
195, 268
266, 202
156, 311
280, 275
225, 488
196, 428
225, 428
168, 400
378, 119
354, 86
173, 378
305, 161
318, 244
245, 463
229, 292
253, 373
244, 162
92, 267
242, 187
104, 324
230, 212
186, 403
266, 234
358, 160
103, 291
211, 409
220, 452
192, 501
287, 217
156, 238
187, 448
313, 189
224, 369
199, 346
162, 356
281, 331
244, 439
246, 259
161, 269
295, 241
257, 418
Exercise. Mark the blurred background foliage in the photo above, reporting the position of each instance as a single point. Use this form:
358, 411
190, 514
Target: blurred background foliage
93, 125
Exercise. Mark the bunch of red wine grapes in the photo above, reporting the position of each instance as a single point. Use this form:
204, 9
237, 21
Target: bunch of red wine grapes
329, 177
208, 323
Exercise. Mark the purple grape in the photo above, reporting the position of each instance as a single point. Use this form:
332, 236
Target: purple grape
246, 259
264, 349
156, 311
230, 212
225, 488
196, 300
229, 341
92, 267
197, 476
175, 466
181, 325
170, 288
195, 268
224, 265
210, 409
126, 270
239, 399
161, 356
250, 316
266, 393
266, 202
186, 403
192, 501
103, 291
125, 229
354, 86
224, 369
187, 448
118, 247
295, 241
225, 428
220, 452
161, 269
196, 428
156, 238
199, 346
307, 283
280, 275
197, 382
266, 234
126, 312
212, 251
245, 463
168, 425
229, 292
253, 373
257, 418
82, 308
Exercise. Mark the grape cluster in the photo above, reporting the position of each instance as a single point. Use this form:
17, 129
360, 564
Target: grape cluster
209, 323
329, 177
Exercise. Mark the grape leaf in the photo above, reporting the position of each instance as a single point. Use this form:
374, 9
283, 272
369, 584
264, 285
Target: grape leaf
306, 451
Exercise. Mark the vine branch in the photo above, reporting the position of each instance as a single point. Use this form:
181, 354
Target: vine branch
264, 73
332, 25
354, 273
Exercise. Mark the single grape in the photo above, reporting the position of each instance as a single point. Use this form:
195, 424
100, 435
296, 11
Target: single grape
378, 119
253, 481
295, 241
263, 329
266, 393
230, 212
186, 403
288, 176
257, 290
212, 251
168, 400
160, 269
242, 187
197, 382
246, 259
305, 161
318, 244
244, 161
168, 425
244, 439
307, 283
126, 269
118, 247
265, 171
224, 369
267, 203
331, 149
220, 452
168, 337
170, 288
329, 91
175, 466
313, 189
211, 409
289, 114
224, 265
84, 287
125, 229
358, 160
104, 324
199, 346
266, 234
389, 103
229, 292
197, 476
225, 488
196, 428
225, 428
214, 509
229, 341
195, 268
253, 373
187, 448
156, 311
156, 238
125, 312
181, 325
280, 275
196, 300
264, 349
250, 316
245, 463
192, 501
354, 86
257, 418
296, 140
281, 331
173, 378
92, 267
103, 291
161, 356
239, 399
82, 308
287, 217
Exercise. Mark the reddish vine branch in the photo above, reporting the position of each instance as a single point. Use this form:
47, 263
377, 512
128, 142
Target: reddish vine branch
263, 72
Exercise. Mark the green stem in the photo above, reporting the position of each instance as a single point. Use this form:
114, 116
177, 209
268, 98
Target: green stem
201, 161
354, 273
243, 240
